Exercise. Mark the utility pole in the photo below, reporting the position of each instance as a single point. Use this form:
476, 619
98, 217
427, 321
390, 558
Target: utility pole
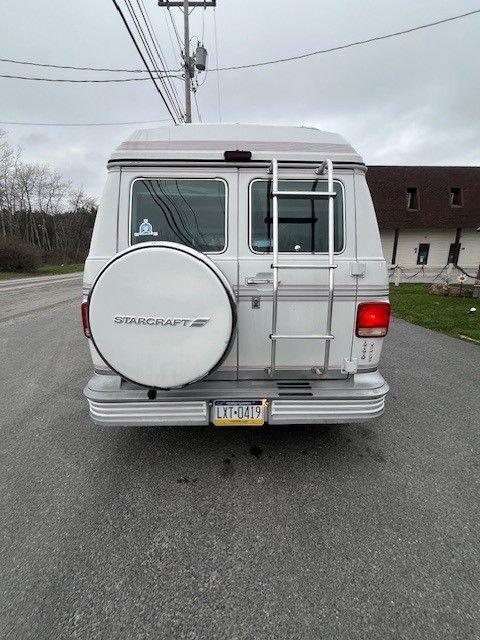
190, 63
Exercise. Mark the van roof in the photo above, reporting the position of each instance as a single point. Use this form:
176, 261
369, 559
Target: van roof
209, 141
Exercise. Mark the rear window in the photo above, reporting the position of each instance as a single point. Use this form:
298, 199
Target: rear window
302, 222
190, 212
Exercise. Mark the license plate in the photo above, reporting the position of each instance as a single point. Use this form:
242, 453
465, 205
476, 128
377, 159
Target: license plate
230, 413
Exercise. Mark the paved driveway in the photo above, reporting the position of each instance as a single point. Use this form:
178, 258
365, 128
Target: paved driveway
289, 533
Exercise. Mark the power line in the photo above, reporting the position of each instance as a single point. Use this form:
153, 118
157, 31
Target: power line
80, 124
146, 43
194, 91
203, 22
84, 81
143, 59
350, 44
63, 66
144, 40
160, 54
172, 19
231, 68
172, 44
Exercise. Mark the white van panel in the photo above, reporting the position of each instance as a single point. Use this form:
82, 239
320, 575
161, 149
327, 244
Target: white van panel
303, 294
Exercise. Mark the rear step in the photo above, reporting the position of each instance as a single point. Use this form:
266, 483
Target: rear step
326, 167
288, 389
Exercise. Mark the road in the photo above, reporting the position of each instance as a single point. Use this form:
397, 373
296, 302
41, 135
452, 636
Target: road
355, 532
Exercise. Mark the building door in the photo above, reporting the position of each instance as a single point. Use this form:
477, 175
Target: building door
422, 257
454, 253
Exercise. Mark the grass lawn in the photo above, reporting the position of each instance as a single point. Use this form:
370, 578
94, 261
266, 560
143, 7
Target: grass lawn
448, 315
45, 270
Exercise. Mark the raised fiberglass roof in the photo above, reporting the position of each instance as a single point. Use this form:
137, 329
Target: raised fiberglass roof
209, 141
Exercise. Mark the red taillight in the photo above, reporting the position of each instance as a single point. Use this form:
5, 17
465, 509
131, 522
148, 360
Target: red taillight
372, 319
86, 325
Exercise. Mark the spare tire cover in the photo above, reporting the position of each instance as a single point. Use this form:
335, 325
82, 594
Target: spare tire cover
162, 315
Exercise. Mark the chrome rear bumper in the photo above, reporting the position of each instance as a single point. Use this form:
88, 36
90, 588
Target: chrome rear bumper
355, 399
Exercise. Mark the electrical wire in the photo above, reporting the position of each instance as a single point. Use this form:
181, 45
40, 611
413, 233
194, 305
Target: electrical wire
180, 44
203, 22
161, 56
200, 84
350, 44
169, 87
194, 91
146, 44
64, 66
256, 64
86, 80
169, 30
80, 124
127, 26
148, 50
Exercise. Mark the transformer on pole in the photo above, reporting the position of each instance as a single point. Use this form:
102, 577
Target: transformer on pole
198, 62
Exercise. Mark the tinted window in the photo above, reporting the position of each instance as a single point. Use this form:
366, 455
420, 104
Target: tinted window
190, 212
302, 222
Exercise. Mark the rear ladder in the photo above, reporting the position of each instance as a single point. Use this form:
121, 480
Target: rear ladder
325, 168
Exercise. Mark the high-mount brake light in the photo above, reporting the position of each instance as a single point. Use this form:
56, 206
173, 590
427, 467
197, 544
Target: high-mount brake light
372, 319
86, 325
237, 156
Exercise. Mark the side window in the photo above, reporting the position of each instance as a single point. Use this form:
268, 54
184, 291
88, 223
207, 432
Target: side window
190, 212
302, 222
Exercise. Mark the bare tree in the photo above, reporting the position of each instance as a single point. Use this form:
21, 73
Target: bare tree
39, 206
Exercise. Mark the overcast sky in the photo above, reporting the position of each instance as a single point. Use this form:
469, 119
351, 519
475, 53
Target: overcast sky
408, 100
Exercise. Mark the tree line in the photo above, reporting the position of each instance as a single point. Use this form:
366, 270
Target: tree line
39, 208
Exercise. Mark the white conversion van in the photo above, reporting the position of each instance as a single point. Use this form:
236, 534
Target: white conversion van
235, 277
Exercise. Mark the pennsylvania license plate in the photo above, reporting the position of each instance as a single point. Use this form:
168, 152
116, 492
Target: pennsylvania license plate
232, 413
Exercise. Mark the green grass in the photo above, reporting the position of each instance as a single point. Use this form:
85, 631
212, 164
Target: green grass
414, 303
45, 270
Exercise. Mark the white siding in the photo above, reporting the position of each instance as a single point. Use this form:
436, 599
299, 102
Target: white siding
439, 240
409, 239
387, 237
470, 249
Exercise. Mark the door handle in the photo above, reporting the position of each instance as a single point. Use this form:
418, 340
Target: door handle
255, 280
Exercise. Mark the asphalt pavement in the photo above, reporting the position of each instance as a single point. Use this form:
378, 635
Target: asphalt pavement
353, 532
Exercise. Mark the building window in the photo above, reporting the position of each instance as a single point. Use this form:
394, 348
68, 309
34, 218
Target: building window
422, 256
456, 197
412, 198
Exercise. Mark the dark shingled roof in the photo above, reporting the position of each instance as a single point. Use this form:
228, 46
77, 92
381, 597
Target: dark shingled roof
388, 186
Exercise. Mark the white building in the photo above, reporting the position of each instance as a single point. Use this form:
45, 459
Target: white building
428, 217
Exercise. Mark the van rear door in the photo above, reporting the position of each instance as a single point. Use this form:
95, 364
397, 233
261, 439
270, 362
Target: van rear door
192, 206
303, 293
